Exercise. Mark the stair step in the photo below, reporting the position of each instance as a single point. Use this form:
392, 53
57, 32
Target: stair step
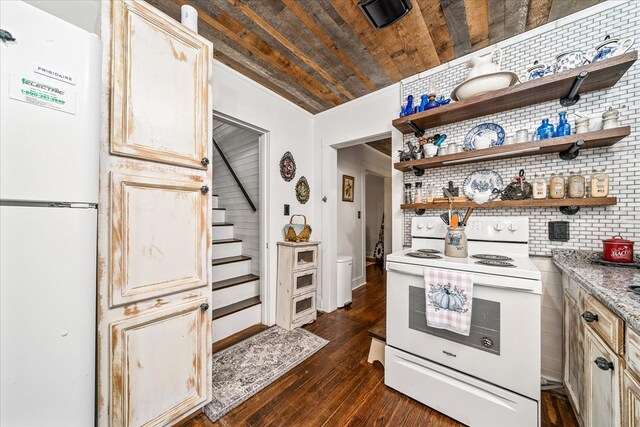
223, 241
235, 307
230, 259
219, 209
234, 281
221, 224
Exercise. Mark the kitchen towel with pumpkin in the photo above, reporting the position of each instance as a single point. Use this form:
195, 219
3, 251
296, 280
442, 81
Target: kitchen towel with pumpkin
449, 296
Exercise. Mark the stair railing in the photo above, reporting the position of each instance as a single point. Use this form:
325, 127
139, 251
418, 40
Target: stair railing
233, 174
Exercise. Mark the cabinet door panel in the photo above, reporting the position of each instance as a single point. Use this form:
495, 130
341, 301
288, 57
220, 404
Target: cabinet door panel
630, 401
157, 364
573, 353
158, 235
602, 387
160, 96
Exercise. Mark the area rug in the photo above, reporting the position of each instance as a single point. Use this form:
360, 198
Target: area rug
244, 369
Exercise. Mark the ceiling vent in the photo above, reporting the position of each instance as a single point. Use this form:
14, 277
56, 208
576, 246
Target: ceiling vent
382, 13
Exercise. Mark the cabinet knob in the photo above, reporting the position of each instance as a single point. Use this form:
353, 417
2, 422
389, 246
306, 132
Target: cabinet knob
589, 316
603, 363
204, 306
204, 189
204, 161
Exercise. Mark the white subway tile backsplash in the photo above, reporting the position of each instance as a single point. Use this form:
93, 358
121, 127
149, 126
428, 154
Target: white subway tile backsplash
589, 226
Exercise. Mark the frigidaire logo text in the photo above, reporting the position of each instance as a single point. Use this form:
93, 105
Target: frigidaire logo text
449, 354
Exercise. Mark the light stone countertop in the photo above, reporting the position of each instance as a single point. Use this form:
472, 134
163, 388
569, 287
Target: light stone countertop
608, 284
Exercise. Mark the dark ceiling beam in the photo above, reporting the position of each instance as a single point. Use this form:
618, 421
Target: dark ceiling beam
234, 30
324, 37
361, 27
477, 12
538, 13
496, 20
456, 17
562, 8
437, 25
273, 32
515, 17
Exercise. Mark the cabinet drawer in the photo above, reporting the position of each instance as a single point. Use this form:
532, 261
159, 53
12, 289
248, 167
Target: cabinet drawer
302, 305
304, 281
305, 257
633, 351
609, 326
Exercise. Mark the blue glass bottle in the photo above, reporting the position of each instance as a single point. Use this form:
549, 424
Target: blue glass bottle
424, 99
545, 130
408, 110
563, 128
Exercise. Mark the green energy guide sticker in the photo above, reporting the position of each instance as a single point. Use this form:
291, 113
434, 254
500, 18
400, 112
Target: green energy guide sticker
34, 91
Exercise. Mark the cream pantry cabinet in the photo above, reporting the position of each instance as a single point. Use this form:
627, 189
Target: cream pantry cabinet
296, 294
154, 220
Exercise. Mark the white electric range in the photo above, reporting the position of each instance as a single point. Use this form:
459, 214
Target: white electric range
492, 376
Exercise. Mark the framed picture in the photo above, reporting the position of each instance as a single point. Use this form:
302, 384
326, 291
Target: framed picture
347, 188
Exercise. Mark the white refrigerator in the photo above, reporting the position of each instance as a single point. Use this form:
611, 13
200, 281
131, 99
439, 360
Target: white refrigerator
49, 133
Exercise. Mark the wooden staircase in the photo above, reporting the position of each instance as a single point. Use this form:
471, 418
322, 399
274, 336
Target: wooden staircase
236, 291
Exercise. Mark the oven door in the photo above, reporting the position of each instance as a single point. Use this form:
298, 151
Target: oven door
503, 347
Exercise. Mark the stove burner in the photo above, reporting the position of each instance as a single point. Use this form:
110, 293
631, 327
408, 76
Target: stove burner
491, 257
495, 263
429, 251
423, 255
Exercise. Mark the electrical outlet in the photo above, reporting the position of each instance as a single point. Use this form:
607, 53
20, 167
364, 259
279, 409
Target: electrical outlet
286, 209
559, 231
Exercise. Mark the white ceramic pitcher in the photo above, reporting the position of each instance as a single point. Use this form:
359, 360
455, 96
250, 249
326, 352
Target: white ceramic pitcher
480, 65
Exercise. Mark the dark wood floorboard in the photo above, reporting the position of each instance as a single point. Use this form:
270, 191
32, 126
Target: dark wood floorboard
338, 387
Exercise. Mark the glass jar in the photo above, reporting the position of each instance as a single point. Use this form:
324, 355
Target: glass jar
556, 186
417, 194
408, 195
430, 192
539, 187
599, 183
576, 186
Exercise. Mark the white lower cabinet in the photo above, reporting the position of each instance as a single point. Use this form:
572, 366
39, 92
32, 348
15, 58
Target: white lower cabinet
601, 383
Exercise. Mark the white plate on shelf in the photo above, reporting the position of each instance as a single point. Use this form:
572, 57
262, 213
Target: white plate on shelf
493, 131
479, 185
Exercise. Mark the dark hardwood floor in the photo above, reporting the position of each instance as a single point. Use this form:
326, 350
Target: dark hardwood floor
338, 387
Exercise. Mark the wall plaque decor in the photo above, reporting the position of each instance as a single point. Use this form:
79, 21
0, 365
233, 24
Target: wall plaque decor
302, 190
287, 166
348, 185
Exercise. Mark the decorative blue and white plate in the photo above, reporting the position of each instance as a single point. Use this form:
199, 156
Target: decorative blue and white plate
492, 131
479, 185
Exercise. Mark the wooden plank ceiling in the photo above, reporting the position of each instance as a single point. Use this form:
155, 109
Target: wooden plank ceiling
322, 53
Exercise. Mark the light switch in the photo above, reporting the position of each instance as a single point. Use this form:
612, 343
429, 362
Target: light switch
358, 214
286, 209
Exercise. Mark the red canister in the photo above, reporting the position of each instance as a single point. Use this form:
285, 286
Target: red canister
617, 249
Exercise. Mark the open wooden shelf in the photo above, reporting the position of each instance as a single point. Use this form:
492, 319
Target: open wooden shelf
602, 74
601, 138
529, 203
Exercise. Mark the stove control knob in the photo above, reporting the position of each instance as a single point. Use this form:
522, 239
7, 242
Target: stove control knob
513, 226
420, 226
498, 226
429, 225
487, 342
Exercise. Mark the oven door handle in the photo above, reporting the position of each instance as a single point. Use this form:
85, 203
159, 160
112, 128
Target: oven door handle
478, 280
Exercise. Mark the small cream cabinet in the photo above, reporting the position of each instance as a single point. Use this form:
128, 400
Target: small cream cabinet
297, 274
601, 361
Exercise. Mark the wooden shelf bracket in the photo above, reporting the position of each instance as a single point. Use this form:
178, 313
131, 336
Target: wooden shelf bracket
573, 151
573, 96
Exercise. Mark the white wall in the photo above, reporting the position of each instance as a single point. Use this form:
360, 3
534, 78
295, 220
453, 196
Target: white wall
288, 128
81, 13
373, 210
362, 120
355, 161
